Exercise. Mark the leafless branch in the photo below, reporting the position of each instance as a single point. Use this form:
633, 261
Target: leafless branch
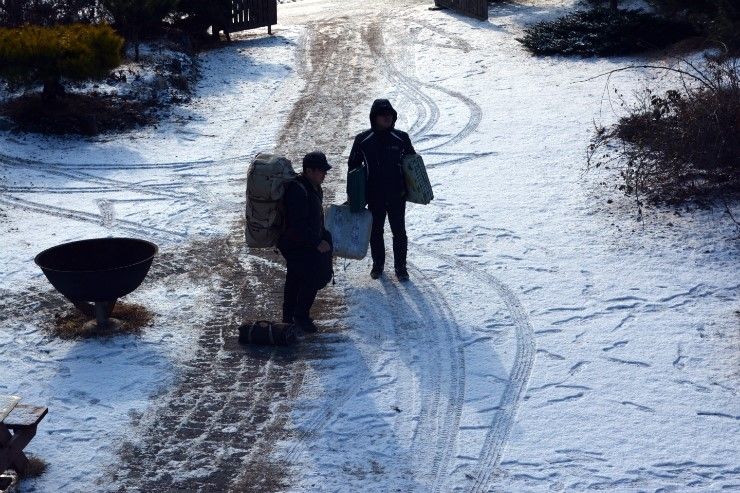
700, 79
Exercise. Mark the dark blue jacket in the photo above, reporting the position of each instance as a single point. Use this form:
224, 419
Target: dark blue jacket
382, 152
304, 218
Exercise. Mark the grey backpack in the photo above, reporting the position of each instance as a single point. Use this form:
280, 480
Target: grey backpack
267, 178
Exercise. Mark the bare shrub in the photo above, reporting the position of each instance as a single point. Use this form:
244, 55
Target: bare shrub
680, 145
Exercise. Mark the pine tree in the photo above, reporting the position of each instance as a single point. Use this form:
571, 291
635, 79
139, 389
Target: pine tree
33, 54
134, 17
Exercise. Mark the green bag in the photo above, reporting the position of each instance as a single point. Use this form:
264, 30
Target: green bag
357, 188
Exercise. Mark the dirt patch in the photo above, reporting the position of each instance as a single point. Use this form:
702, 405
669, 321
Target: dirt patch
239, 398
70, 324
228, 397
337, 76
86, 114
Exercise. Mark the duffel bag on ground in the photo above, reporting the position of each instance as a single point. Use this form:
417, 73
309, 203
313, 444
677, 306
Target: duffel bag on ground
265, 332
266, 179
418, 187
350, 231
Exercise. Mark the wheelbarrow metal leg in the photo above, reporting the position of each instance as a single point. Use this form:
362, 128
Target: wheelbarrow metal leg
101, 315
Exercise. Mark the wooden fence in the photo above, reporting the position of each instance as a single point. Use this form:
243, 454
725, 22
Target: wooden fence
251, 14
473, 8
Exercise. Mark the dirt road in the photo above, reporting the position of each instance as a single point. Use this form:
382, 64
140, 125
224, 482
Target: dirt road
230, 406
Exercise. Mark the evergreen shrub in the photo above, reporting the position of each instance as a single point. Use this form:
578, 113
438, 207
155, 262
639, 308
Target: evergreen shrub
137, 18
33, 54
603, 32
718, 20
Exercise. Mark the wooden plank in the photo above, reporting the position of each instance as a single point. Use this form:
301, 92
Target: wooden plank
24, 416
7, 403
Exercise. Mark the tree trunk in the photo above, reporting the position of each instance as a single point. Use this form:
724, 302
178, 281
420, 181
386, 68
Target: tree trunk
135, 42
53, 88
613, 5
14, 13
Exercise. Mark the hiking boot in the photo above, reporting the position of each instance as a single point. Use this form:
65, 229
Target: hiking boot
376, 272
402, 274
305, 324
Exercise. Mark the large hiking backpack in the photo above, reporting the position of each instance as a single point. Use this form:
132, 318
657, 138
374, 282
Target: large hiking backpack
418, 187
266, 180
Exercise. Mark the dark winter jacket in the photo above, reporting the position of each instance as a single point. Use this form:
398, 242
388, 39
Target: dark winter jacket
382, 152
304, 218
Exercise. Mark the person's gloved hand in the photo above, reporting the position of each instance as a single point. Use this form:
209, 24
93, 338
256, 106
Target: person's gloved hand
324, 246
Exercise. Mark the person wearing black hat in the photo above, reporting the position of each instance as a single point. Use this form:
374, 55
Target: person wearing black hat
381, 150
305, 243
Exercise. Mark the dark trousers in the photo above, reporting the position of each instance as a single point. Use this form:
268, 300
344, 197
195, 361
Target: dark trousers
299, 292
397, 219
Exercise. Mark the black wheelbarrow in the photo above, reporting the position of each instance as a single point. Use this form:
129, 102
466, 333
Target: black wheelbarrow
93, 274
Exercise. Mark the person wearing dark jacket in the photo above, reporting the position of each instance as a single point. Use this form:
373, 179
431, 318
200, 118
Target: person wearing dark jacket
381, 150
305, 244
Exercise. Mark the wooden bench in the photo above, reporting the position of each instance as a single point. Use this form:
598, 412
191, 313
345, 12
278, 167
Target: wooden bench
18, 424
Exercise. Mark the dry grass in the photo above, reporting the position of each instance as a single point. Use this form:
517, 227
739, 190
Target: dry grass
36, 467
85, 114
70, 325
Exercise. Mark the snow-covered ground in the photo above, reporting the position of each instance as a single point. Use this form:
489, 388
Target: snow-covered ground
177, 183
548, 341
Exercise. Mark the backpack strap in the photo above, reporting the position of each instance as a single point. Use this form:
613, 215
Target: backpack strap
302, 187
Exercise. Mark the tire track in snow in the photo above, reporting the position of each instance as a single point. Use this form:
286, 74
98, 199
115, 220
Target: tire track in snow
124, 224
174, 166
419, 313
328, 70
10, 160
110, 185
445, 423
476, 115
422, 318
80, 190
427, 109
516, 385
457, 41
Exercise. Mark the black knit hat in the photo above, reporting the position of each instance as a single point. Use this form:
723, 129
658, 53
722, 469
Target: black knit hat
316, 160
